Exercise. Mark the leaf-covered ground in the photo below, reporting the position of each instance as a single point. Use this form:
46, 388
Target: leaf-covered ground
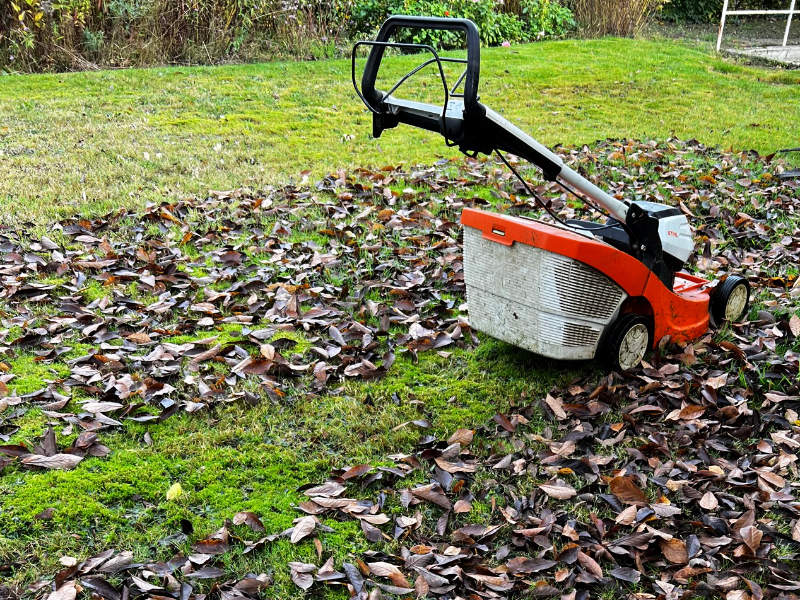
264, 393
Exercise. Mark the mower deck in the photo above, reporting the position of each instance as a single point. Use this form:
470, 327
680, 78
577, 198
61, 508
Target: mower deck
556, 292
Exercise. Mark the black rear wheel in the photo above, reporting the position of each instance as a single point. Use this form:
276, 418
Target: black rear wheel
626, 342
730, 299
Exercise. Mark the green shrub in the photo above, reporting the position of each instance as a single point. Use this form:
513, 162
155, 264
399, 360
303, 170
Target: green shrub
705, 11
545, 18
523, 21
38, 35
367, 15
74, 34
693, 10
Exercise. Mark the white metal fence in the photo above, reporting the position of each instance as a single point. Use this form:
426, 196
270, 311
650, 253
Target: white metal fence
789, 14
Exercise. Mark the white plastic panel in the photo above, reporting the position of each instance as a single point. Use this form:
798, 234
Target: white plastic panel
541, 301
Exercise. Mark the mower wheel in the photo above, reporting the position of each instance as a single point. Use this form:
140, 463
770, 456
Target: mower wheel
627, 342
730, 299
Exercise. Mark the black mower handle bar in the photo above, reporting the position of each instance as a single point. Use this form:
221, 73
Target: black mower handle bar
373, 97
461, 119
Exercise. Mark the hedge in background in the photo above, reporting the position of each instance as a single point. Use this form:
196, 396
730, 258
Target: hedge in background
516, 21
704, 11
38, 35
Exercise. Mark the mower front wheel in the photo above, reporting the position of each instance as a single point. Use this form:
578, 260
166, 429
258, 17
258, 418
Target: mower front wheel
729, 300
627, 342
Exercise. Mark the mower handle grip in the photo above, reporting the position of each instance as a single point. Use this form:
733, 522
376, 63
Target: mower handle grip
436, 23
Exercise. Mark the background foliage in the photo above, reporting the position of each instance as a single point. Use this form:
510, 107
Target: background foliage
80, 34
614, 17
519, 21
57, 35
701, 11
69, 34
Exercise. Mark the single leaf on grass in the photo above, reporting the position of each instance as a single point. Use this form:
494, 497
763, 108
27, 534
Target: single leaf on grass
302, 574
207, 572
45, 515
503, 421
455, 467
303, 528
527, 566
627, 516
559, 490
138, 337
252, 584
175, 491
709, 501
626, 574
626, 490
784, 437
751, 536
143, 585
101, 407
462, 436
355, 472
557, 406
354, 576
117, 563
498, 583
329, 488
250, 519
794, 324
590, 564
421, 585
674, 550
100, 587
57, 461
67, 591
199, 559
384, 569
772, 478
211, 546
717, 382
378, 519
431, 493
690, 412
372, 533
756, 591
476, 531
683, 575
14, 450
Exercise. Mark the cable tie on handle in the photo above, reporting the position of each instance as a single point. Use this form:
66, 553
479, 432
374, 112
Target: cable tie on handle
542, 203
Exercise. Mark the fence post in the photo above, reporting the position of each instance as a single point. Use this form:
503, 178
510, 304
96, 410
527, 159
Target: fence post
722, 23
788, 24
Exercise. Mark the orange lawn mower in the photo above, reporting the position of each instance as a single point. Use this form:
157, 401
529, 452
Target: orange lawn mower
571, 289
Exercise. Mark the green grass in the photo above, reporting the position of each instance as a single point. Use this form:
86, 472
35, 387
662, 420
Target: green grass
87, 142
30, 375
251, 458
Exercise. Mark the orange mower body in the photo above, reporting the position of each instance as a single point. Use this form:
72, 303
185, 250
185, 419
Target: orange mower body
580, 286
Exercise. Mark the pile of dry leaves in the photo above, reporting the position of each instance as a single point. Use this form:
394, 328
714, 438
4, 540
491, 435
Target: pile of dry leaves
676, 480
